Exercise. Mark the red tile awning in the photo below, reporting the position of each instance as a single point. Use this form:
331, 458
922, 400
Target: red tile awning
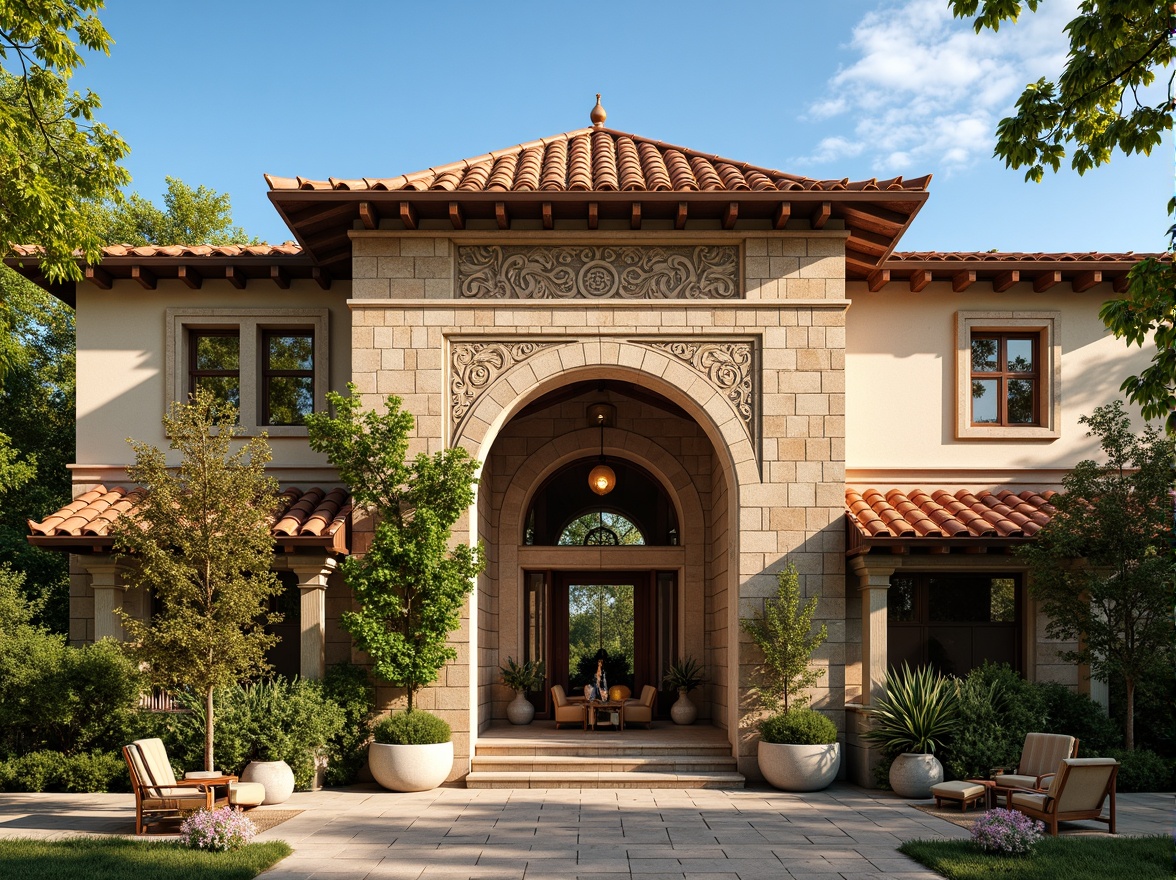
303, 519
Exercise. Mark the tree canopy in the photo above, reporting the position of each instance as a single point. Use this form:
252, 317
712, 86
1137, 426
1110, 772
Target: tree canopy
188, 216
55, 158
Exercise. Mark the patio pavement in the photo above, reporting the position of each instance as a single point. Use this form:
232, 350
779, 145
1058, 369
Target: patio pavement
667, 834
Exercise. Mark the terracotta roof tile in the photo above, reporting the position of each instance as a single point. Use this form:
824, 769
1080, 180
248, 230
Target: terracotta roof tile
1013, 257
313, 513
596, 159
942, 514
286, 249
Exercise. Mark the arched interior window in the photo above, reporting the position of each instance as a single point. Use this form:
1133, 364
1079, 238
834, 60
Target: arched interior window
566, 512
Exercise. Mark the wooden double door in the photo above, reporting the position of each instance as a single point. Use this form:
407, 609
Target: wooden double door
627, 618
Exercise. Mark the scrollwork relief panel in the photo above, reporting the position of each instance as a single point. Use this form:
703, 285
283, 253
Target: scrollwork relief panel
475, 365
729, 367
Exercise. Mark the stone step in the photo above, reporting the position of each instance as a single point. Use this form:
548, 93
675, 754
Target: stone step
550, 763
494, 748
480, 779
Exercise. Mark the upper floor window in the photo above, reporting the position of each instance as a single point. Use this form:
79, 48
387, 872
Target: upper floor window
1005, 379
215, 364
287, 392
1008, 382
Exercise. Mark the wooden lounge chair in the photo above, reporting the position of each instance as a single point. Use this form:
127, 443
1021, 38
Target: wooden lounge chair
1078, 791
566, 712
640, 711
1039, 761
157, 792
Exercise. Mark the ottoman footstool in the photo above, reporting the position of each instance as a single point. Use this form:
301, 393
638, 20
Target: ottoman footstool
964, 792
246, 794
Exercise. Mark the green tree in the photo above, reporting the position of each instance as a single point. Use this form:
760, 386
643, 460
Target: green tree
201, 541
410, 584
1101, 568
1117, 47
54, 157
784, 634
188, 216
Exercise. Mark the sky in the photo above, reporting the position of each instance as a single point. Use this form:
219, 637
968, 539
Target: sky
218, 93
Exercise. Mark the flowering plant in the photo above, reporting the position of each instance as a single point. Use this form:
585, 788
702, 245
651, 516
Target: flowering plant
217, 830
1006, 832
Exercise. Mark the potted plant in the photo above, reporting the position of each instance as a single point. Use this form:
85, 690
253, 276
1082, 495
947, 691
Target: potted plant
798, 748
914, 717
411, 751
684, 675
521, 677
411, 585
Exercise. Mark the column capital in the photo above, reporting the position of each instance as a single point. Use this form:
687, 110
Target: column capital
873, 571
106, 573
312, 573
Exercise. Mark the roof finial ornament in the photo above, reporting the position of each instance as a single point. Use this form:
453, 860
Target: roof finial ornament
598, 114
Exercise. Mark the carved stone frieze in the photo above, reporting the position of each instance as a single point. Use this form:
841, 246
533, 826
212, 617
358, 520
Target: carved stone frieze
475, 365
728, 366
598, 272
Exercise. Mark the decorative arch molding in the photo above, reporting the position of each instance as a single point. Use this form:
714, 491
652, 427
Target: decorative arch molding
716, 380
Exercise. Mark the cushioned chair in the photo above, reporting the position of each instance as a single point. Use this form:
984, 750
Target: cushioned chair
157, 792
566, 712
1078, 790
640, 711
1039, 760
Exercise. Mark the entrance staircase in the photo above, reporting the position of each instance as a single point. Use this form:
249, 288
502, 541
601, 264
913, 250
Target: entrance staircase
664, 757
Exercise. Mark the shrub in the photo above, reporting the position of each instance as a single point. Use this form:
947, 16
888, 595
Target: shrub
53, 771
349, 687
803, 727
1075, 714
996, 709
220, 830
1006, 832
1141, 770
415, 728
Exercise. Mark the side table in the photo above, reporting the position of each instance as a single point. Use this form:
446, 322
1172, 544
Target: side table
989, 791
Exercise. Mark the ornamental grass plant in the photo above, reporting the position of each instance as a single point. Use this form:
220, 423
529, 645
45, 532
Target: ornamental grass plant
918, 712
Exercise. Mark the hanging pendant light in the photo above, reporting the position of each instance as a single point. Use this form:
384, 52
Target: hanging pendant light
601, 479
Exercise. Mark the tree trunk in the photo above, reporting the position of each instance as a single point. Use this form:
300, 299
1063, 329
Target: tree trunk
208, 728
1129, 725
410, 699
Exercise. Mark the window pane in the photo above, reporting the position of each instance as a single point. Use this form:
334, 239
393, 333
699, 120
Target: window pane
1020, 355
984, 355
217, 352
225, 389
984, 402
1003, 607
291, 398
958, 600
900, 599
291, 352
1021, 401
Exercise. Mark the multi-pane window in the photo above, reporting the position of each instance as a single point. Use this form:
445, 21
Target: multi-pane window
215, 364
1006, 379
287, 393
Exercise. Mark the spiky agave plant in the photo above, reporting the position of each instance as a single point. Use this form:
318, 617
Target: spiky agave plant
918, 712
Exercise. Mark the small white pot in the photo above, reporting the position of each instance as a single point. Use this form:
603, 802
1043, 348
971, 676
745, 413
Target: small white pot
410, 768
276, 776
683, 711
519, 710
791, 767
912, 775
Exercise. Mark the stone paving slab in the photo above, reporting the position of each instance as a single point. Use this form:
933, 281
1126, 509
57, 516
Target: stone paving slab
843, 833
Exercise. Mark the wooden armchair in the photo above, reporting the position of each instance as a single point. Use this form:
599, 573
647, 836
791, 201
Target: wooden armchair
1039, 761
640, 711
157, 792
1078, 791
565, 711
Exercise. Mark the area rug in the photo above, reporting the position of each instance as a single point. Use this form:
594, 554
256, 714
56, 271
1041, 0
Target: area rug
951, 814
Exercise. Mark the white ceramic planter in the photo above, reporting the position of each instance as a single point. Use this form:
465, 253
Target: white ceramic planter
410, 768
791, 767
683, 711
519, 710
912, 775
276, 776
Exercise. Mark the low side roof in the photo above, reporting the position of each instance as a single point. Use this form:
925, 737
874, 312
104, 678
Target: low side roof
599, 173
1003, 269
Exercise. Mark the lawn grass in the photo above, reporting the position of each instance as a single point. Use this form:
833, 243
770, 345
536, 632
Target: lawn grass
115, 858
1054, 858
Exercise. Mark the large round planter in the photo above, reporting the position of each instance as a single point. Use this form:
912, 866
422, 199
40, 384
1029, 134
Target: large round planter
790, 767
683, 711
276, 776
410, 768
520, 710
912, 775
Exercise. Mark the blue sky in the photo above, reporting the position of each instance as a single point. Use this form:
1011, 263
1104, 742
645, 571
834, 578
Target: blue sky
217, 93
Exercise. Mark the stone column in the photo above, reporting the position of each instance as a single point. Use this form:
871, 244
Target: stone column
312, 582
873, 582
109, 589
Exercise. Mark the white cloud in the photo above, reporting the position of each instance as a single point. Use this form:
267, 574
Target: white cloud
924, 91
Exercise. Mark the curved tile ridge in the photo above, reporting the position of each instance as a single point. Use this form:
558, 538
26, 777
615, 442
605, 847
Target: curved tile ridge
1017, 257
938, 513
285, 249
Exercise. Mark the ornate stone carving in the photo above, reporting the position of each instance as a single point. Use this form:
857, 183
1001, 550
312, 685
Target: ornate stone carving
474, 365
728, 366
591, 272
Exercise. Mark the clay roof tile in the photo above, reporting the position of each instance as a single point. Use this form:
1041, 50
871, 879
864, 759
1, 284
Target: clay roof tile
555, 167
580, 163
604, 161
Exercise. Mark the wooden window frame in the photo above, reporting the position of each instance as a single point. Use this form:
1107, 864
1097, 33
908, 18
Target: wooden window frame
1002, 377
268, 372
194, 372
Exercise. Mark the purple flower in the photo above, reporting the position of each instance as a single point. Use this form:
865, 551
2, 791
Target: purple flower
217, 830
1006, 832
